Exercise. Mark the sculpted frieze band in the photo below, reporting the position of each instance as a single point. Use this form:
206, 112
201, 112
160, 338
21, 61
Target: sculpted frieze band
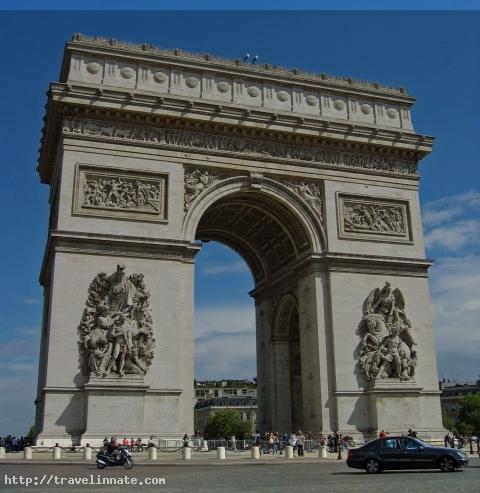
253, 148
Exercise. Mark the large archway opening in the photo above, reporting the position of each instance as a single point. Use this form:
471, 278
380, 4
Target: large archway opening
272, 240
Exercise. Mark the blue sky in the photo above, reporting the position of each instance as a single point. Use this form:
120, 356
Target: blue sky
434, 54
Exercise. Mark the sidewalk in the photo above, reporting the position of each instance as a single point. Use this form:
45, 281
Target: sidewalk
172, 458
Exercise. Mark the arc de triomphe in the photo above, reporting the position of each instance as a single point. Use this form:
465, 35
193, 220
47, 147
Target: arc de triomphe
312, 179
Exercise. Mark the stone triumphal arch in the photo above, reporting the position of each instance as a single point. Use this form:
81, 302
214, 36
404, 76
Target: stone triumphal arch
311, 178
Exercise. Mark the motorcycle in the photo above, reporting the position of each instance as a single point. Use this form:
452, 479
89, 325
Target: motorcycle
107, 460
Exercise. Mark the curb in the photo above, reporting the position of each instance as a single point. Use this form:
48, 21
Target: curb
179, 463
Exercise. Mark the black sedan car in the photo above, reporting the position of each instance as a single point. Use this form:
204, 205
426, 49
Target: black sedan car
404, 453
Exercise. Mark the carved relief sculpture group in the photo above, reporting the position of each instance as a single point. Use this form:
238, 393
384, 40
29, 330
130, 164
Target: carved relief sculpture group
121, 193
386, 349
116, 335
363, 217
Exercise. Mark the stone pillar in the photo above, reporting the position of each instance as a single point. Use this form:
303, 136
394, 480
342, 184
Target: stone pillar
186, 453
152, 453
220, 452
27, 453
87, 452
2, 453
57, 452
322, 452
289, 452
282, 419
316, 350
255, 452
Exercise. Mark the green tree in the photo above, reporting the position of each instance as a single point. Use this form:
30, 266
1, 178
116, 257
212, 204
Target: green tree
449, 422
468, 417
225, 423
31, 433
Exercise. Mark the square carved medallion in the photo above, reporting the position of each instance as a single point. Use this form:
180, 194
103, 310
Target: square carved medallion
374, 219
120, 193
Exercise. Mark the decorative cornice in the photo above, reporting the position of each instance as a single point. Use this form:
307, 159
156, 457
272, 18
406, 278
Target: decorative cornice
80, 40
123, 246
235, 146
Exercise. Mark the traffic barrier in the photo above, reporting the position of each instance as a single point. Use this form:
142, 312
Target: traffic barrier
27, 453
186, 453
322, 452
152, 453
2, 452
255, 452
87, 452
57, 452
289, 452
220, 452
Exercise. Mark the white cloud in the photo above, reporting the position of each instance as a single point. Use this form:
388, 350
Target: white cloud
30, 301
230, 355
455, 288
18, 410
446, 208
214, 319
225, 342
451, 223
230, 268
454, 236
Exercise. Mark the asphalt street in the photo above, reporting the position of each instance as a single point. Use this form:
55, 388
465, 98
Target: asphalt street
328, 477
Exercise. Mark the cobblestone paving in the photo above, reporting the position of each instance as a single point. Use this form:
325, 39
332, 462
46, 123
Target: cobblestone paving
276, 476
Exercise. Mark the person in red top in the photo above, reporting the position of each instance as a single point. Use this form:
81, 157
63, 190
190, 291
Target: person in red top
125, 442
382, 434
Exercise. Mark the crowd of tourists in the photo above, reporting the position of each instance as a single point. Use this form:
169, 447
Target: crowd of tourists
13, 444
460, 441
134, 445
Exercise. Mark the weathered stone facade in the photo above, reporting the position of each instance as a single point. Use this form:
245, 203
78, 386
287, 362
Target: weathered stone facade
314, 179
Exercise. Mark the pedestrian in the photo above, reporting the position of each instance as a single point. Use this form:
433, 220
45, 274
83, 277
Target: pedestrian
300, 443
292, 441
186, 440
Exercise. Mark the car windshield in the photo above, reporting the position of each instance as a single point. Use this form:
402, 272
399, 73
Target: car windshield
421, 442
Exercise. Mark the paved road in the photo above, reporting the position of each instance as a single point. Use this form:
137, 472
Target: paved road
331, 477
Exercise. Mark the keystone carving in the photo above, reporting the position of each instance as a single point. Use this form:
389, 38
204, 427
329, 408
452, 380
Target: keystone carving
386, 349
116, 335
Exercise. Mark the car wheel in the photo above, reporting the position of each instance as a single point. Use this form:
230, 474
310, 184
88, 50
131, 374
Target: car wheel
447, 464
372, 466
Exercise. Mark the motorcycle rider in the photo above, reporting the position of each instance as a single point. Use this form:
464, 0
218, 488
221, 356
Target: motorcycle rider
112, 448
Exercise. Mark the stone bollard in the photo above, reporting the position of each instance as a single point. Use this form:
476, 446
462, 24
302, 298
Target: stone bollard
289, 452
152, 453
27, 453
220, 452
255, 452
87, 452
186, 453
2, 453
57, 452
322, 452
